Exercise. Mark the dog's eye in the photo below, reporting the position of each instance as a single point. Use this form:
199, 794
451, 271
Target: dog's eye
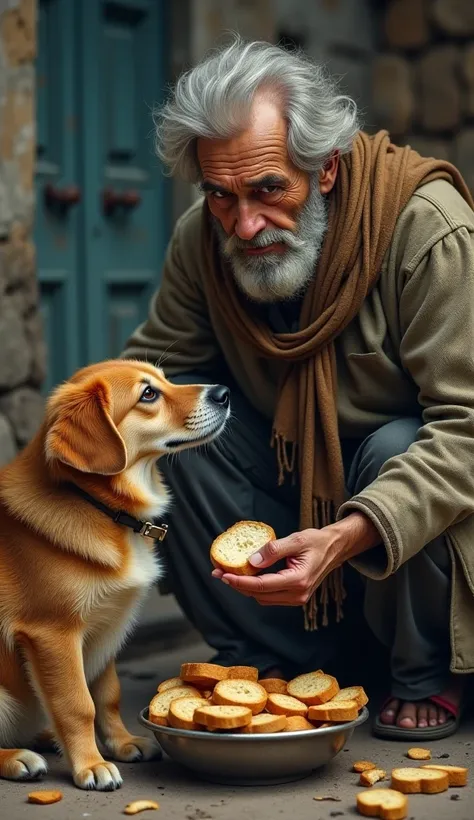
149, 395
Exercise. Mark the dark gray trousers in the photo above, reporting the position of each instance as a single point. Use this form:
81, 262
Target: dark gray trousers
235, 478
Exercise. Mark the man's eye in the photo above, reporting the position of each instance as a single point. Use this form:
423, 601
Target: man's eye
149, 395
219, 194
270, 189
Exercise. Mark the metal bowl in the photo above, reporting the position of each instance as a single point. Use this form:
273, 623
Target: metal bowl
253, 760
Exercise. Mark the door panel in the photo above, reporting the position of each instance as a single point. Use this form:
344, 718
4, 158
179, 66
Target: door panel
56, 227
125, 226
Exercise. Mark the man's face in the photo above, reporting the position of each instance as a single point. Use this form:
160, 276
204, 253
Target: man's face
270, 216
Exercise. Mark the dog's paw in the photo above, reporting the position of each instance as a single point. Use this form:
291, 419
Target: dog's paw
21, 764
136, 748
102, 776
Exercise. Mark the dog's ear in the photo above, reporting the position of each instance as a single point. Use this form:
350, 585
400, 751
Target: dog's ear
81, 432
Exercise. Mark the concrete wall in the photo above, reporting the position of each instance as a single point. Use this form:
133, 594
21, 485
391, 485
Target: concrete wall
22, 352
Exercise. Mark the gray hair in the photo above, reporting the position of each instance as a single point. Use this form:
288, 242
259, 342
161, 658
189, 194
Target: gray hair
213, 101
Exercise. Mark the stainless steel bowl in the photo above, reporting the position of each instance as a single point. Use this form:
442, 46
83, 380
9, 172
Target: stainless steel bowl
253, 760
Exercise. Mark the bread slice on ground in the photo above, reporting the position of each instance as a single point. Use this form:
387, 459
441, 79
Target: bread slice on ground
356, 693
242, 673
419, 781
240, 693
285, 705
170, 683
369, 778
334, 712
160, 704
265, 723
181, 713
45, 798
273, 685
384, 803
457, 775
363, 766
231, 550
415, 753
223, 717
313, 688
204, 675
298, 723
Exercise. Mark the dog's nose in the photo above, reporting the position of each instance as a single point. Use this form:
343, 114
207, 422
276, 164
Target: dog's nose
219, 394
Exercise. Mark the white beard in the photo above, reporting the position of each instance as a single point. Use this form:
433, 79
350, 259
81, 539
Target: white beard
276, 277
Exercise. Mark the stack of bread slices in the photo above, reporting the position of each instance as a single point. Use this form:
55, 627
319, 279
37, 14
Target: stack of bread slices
210, 697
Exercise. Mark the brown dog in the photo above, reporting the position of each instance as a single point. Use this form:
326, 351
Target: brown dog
73, 574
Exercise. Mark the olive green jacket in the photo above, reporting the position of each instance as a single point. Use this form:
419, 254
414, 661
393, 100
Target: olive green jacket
409, 352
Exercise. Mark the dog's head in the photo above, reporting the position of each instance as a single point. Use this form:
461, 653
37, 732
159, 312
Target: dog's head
110, 415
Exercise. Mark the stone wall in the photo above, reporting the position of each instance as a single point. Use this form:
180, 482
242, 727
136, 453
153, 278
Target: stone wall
423, 79
22, 350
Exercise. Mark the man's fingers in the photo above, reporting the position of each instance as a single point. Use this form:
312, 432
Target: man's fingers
261, 584
217, 573
276, 550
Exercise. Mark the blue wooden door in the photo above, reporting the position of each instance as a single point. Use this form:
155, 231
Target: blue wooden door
115, 232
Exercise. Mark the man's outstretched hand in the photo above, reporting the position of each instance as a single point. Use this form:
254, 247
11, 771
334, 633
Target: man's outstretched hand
310, 556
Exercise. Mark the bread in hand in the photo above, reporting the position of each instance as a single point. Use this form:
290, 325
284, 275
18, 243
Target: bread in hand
231, 550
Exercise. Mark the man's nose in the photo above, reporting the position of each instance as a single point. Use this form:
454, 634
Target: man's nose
249, 222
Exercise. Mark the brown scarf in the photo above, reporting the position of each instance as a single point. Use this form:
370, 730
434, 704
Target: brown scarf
374, 183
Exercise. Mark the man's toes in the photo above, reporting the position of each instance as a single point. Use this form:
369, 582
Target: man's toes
407, 716
422, 716
389, 713
442, 716
433, 715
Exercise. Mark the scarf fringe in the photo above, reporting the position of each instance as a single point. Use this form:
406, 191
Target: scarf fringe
332, 587
286, 456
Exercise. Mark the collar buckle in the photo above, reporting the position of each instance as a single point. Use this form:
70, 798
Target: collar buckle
150, 530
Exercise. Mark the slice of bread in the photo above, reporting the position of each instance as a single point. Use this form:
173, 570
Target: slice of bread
297, 723
419, 781
339, 712
240, 693
265, 723
356, 693
205, 675
285, 705
181, 713
415, 753
313, 688
160, 704
170, 683
231, 550
363, 766
223, 717
369, 778
242, 673
457, 775
273, 685
384, 803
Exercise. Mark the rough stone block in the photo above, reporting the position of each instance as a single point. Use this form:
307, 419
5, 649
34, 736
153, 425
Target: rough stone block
464, 155
24, 408
17, 29
393, 99
406, 24
454, 17
440, 101
39, 357
15, 359
8, 447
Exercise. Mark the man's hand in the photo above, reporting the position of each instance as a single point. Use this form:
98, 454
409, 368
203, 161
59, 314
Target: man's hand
310, 556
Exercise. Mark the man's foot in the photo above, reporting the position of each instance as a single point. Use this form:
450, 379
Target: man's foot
422, 713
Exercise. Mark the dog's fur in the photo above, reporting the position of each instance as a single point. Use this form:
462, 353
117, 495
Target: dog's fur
71, 579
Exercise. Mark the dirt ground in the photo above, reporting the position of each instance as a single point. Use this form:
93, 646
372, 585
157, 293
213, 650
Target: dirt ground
182, 797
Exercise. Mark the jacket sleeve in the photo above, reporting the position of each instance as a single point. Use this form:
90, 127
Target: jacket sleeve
178, 329
422, 492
